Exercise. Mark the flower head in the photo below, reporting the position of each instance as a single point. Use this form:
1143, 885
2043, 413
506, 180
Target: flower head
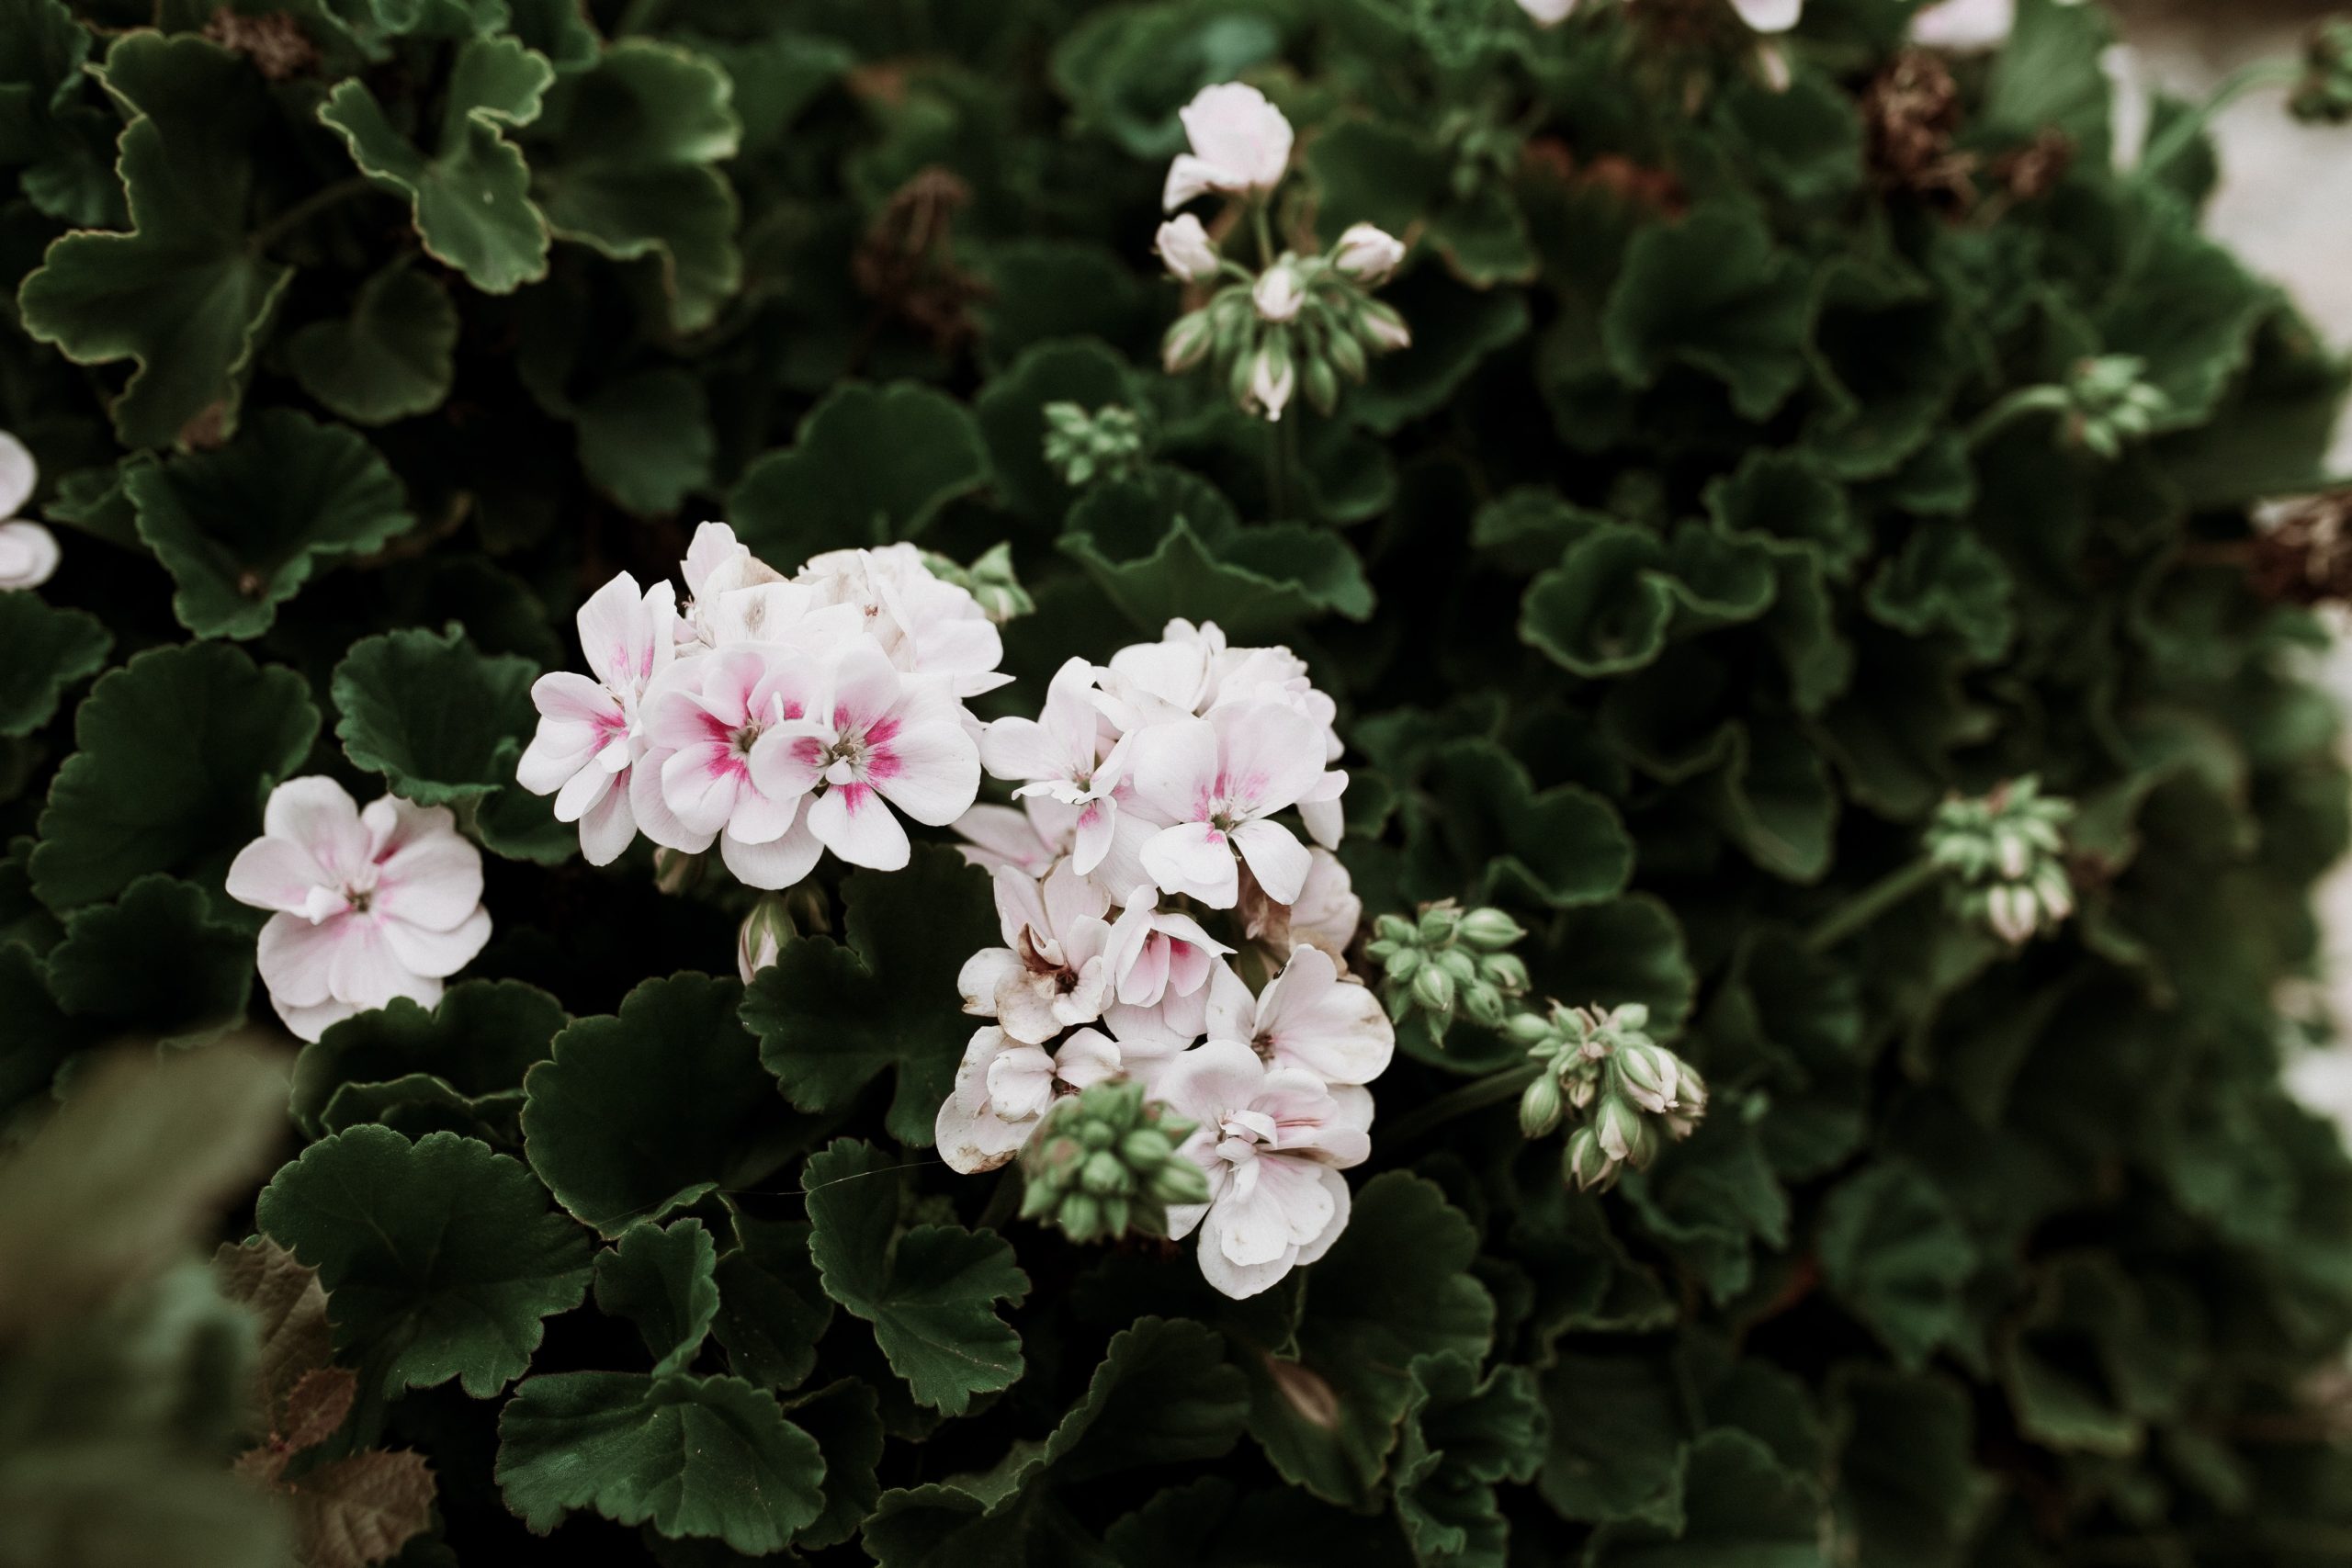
1307, 1017
1241, 144
1187, 249
368, 906
1218, 781
1004, 1087
589, 733
28, 552
1052, 973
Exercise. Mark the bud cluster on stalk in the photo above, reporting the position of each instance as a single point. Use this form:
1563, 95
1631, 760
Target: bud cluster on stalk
2110, 401
2006, 853
1104, 1164
1623, 1085
990, 580
1449, 961
1081, 447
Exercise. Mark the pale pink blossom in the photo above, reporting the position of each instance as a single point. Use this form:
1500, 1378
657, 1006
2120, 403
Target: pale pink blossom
1003, 1089
1307, 1017
1549, 13
925, 625
1069, 752
1148, 682
1032, 835
1272, 1141
28, 552
1051, 973
1218, 781
590, 735
1961, 25
368, 905
1327, 913
1156, 953
695, 785
1187, 249
1368, 254
1241, 144
717, 564
876, 738
1769, 16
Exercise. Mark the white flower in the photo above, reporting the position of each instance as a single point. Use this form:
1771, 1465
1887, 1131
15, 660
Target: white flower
1272, 1141
926, 627
1963, 25
369, 905
1328, 914
695, 783
1004, 1087
1277, 294
1307, 1017
1217, 781
1187, 249
1156, 953
28, 552
717, 564
1032, 836
1241, 144
1051, 973
1069, 752
1368, 254
1549, 13
1273, 379
589, 735
1149, 683
1769, 16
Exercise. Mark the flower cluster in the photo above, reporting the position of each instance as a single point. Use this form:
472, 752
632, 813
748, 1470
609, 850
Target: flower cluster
1296, 322
777, 719
1105, 1162
1149, 864
2007, 853
1082, 447
2109, 402
1447, 960
1605, 1065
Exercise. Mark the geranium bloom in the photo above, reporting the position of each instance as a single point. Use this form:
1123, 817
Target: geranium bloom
28, 552
696, 783
1327, 913
1307, 1017
1051, 974
1549, 13
368, 905
1769, 16
1187, 249
1154, 953
1217, 781
1272, 1142
1031, 836
874, 735
1964, 24
1003, 1088
924, 626
1241, 144
1066, 753
589, 736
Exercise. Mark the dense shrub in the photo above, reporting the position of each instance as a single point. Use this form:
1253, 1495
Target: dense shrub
1772, 455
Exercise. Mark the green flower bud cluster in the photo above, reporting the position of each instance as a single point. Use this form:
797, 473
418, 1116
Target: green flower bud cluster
1103, 1162
990, 579
1305, 326
2007, 851
1625, 1086
1448, 961
2323, 95
1082, 447
2109, 402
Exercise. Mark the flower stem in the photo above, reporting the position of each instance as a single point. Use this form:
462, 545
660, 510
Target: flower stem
2177, 138
303, 211
1001, 1201
1264, 226
2016, 406
1880, 896
1476, 1095
640, 16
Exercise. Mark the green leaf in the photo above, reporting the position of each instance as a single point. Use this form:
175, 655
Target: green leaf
1710, 1200
647, 438
470, 197
50, 648
869, 465
439, 1258
643, 1113
772, 1306
1731, 1502
1948, 579
663, 1279
1909, 1493
242, 529
1460, 1437
625, 165
707, 1458
1618, 1426
1011, 411
833, 1018
1713, 291
182, 296
1168, 544
177, 750
1619, 591
153, 963
846, 1418
1395, 1285
2088, 1366
2049, 77
1455, 328
929, 1293
392, 359
1893, 1250
442, 721
1784, 495
480, 1039
1563, 846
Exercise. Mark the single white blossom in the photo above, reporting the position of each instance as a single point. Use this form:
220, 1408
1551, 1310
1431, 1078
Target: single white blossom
702, 718
1769, 16
1368, 254
28, 552
1240, 145
1052, 973
1272, 1141
1187, 249
1307, 1017
368, 905
590, 735
1155, 954
1964, 25
1549, 13
1217, 781
1003, 1088
1069, 752
925, 625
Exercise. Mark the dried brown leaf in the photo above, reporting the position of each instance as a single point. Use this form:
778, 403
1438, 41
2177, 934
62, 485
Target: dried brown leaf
361, 1510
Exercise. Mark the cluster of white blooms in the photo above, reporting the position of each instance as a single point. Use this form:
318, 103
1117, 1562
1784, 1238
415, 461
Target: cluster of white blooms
1762, 15
28, 551
776, 717
1152, 792
1296, 322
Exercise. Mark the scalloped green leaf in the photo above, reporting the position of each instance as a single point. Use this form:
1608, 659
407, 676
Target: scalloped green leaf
1011, 411
471, 196
242, 529
663, 1279
50, 648
393, 358
440, 719
870, 465
1713, 293
772, 1306
1563, 846
929, 1291
480, 1039
178, 749
1460, 1437
439, 1258
1948, 579
1894, 1252
1731, 1502
154, 964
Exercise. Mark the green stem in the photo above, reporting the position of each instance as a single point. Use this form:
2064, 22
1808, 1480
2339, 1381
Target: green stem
2016, 406
2177, 136
1264, 227
1476, 1095
1880, 896
640, 16
1281, 462
1002, 1200
303, 211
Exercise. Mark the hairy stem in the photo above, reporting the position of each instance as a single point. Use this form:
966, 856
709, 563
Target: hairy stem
1896, 888
1476, 1095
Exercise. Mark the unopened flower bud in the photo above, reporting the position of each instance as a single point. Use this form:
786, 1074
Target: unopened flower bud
1278, 293
1540, 1106
1648, 1075
1505, 972
675, 871
1187, 249
1485, 1005
1321, 383
1368, 254
1187, 342
1490, 929
1405, 963
764, 931
990, 580
1586, 1163
1440, 923
1460, 967
1395, 928
1618, 1124
1105, 1161
1382, 329
1529, 1028
1272, 378
1433, 989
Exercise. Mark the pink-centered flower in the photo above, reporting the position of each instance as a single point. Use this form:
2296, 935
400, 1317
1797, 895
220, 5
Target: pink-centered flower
368, 905
28, 552
1069, 752
1156, 953
695, 785
589, 736
1051, 973
1240, 145
1272, 1141
1031, 836
875, 740
1004, 1087
1218, 780
1307, 1017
